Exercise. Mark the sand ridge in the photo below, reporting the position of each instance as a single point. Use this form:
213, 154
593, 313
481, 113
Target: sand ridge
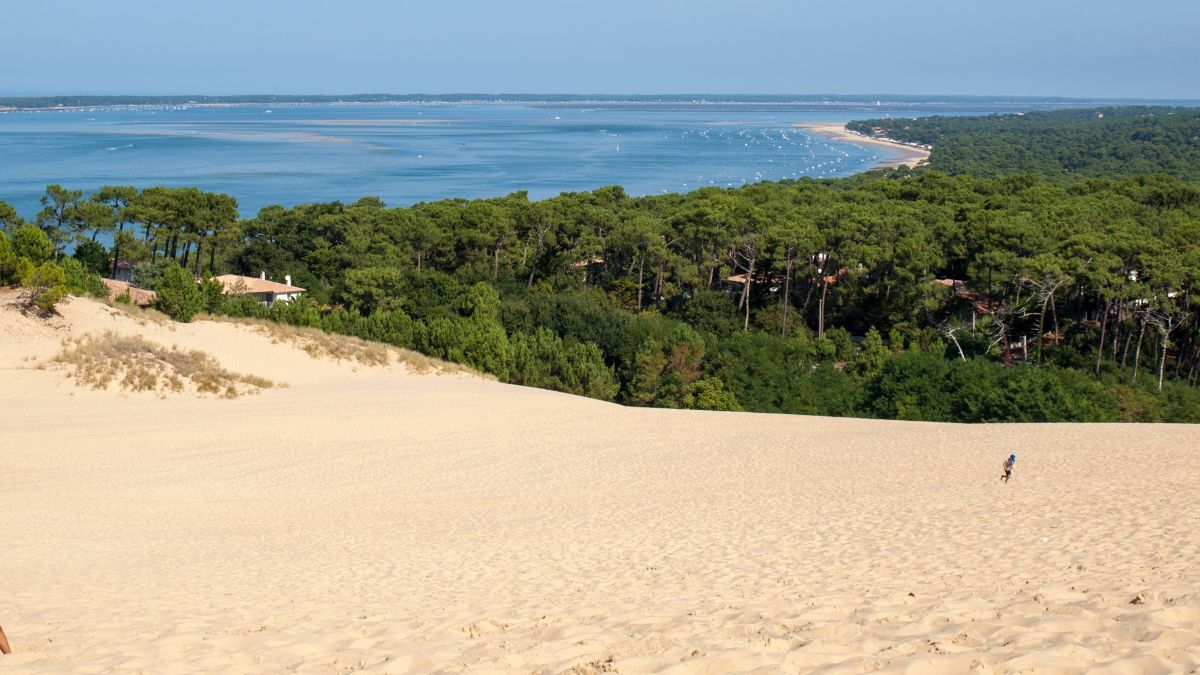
376, 520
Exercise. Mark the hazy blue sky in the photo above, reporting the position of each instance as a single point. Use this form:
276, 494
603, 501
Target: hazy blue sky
1101, 48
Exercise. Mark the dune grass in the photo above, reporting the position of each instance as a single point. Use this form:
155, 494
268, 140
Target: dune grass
321, 345
144, 316
131, 363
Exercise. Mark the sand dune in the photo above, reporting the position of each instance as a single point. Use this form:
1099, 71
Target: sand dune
372, 519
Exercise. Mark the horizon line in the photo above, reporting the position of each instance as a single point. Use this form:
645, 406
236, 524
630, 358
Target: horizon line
501, 95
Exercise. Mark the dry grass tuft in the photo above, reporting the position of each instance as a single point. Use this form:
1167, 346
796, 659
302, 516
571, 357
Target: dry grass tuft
132, 363
321, 345
144, 316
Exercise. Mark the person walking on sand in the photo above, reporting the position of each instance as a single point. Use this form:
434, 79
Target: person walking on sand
1008, 466
4, 648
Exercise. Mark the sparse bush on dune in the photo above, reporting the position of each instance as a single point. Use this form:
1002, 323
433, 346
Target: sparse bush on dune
45, 286
144, 316
25, 260
131, 363
322, 345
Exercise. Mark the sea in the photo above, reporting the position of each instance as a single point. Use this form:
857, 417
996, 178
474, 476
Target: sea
405, 153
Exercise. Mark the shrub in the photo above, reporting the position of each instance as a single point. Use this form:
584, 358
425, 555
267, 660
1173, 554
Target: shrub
664, 366
757, 369
213, 294
23, 269
426, 292
543, 360
94, 257
830, 391
44, 286
478, 343
372, 289
482, 302
394, 328
537, 360
149, 275
484, 346
710, 394
179, 296
243, 306
586, 316
300, 312
587, 374
8, 261
712, 312
81, 281
31, 242
913, 385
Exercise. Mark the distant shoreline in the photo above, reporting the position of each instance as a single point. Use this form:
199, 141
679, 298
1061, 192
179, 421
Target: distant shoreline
898, 103
906, 155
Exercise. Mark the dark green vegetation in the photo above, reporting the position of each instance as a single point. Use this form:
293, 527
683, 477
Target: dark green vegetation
893, 294
27, 258
1122, 141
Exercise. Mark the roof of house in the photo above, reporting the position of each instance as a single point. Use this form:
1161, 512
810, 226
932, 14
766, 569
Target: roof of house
137, 296
235, 282
741, 278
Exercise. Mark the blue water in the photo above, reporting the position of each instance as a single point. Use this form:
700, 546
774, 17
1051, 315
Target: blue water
405, 153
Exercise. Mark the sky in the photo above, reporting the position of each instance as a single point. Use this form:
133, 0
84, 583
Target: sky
1079, 48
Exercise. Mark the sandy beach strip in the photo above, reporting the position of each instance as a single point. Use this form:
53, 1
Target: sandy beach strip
904, 155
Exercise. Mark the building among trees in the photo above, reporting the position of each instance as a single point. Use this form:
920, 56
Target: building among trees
264, 290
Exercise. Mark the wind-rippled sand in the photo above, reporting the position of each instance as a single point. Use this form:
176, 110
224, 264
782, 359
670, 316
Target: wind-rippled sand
377, 520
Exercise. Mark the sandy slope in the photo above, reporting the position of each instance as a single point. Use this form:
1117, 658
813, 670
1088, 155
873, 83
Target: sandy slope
378, 520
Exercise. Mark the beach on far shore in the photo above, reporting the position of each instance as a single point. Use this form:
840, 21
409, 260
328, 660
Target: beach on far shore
905, 155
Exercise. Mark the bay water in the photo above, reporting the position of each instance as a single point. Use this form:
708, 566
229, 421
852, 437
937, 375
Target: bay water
406, 153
